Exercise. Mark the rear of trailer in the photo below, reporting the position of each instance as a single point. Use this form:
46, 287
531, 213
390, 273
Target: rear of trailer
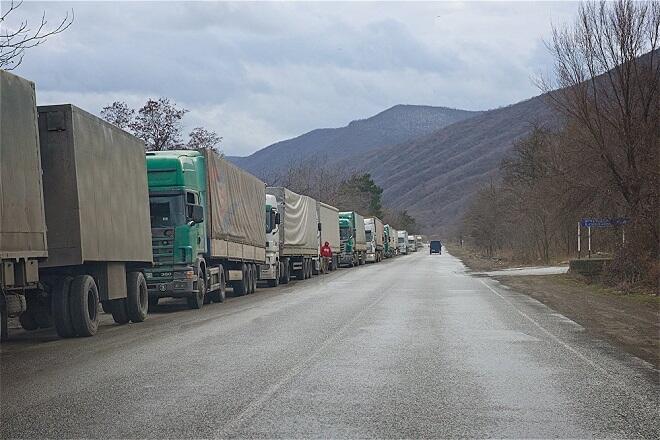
299, 228
22, 220
329, 220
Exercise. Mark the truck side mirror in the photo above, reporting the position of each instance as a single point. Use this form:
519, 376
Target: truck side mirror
197, 214
319, 226
277, 218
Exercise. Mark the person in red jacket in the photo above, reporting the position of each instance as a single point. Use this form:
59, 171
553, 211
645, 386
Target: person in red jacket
326, 251
326, 256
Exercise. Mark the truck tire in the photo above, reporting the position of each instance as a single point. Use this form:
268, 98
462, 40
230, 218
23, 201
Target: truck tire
137, 296
84, 303
249, 279
196, 300
4, 327
241, 287
61, 310
119, 311
220, 295
287, 274
255, 276
309, 268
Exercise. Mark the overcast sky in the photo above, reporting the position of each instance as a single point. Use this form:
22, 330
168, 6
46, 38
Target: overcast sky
257, 73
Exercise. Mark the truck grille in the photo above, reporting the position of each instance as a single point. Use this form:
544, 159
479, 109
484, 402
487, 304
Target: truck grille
162, 243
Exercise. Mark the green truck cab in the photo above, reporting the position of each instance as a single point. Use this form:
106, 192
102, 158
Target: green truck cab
353, 242
177, 201
207, 227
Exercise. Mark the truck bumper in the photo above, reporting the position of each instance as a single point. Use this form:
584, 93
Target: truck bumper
172, 289
346, 259
268, 272
371, 258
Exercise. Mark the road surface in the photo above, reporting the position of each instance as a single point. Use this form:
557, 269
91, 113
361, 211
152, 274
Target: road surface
411, 347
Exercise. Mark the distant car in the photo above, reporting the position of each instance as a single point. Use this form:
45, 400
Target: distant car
436, 247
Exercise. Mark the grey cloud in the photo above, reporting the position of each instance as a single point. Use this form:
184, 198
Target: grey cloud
259, 72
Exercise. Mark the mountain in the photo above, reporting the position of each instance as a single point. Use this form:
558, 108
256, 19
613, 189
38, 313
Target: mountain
434, 176
393, 126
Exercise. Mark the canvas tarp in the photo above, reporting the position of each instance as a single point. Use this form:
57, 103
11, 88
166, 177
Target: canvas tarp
236, 203
299, 222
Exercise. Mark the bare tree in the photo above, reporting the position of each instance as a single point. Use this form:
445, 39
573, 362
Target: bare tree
158, 124
16, 40
608, 88
119, 114
201, 138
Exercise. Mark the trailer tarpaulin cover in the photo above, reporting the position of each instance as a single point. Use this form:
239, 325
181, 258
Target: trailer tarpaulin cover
300, 222
236, 203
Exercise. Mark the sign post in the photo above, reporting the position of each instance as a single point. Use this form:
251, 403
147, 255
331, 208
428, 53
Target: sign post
579, 240
601, 223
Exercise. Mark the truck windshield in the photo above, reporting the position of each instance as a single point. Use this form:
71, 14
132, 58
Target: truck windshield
166, 211
270, 220
368, 234
345, 233
400, 240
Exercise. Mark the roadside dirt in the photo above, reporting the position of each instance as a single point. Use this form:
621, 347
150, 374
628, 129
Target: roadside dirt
630, 321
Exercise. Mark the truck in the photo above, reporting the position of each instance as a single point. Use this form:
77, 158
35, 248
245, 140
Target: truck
403, 242
412, 243
207, 227
74, 216
390, 245
329, 220
419, 242
353, 250
294, 245
375, 236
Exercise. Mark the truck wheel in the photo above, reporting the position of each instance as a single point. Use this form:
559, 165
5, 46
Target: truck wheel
61, 310
84, 303
255, 275
4, 328
287, 274
309, 268
220, 295
240, 287
119, 311
196, 300
27, 321
248, 283
137, 296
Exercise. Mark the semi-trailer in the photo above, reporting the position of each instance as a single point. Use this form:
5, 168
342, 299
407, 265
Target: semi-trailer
207, 227
329, 220
375, 237
295, 248
74, 217
390, 245
412, 244
403, 242
353, 239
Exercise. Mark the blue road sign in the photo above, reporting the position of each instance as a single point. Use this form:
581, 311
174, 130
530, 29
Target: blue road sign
603, 222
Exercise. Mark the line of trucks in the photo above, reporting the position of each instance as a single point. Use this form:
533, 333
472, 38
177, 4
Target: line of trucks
88, 219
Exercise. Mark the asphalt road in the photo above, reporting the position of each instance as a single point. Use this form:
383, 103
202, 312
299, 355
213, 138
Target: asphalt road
411, 347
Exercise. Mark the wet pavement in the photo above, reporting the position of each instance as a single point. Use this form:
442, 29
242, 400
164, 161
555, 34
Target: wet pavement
411, 347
